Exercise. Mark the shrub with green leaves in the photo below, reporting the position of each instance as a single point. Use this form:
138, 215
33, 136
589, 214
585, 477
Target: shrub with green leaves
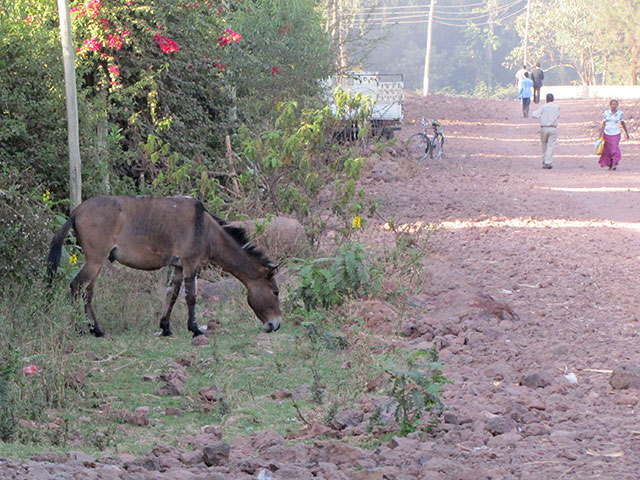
26, 224
329, 281
415, 380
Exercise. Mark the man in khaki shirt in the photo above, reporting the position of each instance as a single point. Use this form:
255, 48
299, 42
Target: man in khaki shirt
548, 115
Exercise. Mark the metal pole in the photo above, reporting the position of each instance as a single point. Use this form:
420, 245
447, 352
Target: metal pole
75, 170
427, 57
526, 31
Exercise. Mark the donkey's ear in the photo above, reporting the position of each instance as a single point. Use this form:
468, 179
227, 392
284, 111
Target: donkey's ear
273, 269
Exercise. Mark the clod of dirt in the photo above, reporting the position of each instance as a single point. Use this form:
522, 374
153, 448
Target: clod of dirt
210, 394
200, 341
346, 417
490, 306
172, 387
173, 411
76, 379
139, 417
281, 394
625, 376
537, 380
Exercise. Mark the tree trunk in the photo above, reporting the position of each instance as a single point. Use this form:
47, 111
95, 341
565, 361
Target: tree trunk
634, 64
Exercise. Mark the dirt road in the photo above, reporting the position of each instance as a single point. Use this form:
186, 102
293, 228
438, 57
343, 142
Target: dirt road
561, 249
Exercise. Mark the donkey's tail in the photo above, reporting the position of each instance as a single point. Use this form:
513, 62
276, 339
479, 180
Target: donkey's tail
55, 252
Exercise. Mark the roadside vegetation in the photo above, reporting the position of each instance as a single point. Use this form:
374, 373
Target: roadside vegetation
223, 103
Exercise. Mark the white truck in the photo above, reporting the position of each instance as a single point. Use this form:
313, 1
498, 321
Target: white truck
386, 93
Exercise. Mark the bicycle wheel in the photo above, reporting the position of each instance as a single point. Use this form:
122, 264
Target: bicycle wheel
418, 146
438, 147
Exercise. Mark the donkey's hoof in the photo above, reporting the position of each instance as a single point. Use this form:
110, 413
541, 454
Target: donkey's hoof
167, 333
97, 332
197, 333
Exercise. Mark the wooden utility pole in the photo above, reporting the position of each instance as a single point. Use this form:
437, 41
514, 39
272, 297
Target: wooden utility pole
526, 31
75, 170
427, 57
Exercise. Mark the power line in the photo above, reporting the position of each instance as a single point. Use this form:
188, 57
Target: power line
444, 18
426, 7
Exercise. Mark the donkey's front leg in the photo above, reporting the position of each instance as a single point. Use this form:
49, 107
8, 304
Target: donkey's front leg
176, 283
190, 290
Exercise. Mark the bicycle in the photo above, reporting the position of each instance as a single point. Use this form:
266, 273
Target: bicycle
421, 146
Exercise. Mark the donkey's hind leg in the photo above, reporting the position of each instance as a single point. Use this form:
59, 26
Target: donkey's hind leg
176, 283
82, 285
190, 296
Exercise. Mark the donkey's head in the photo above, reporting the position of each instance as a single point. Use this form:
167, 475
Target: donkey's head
258, 277
262, 296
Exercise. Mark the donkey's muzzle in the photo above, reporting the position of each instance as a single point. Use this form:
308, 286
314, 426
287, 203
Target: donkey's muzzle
271, 325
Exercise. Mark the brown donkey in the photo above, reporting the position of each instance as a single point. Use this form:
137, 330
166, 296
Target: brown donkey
148, 233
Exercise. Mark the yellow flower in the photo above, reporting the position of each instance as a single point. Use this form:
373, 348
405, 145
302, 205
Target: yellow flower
73, 259
356, 222
46, 196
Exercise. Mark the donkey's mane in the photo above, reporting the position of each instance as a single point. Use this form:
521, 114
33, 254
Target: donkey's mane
241, 237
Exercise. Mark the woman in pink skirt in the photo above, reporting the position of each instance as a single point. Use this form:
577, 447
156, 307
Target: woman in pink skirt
613, 120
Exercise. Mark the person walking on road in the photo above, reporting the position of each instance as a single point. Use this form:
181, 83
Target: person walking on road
537, 76
548, 114
520, 76
525, 93
611, 131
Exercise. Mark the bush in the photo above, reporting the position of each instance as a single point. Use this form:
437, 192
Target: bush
326, 282
415, 385
26, 224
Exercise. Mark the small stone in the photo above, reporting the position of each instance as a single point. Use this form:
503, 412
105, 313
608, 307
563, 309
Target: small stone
216, 454
450, 418
629, 399
173, 411
562, 437
537, 380
347, 417
192, 457
500, 425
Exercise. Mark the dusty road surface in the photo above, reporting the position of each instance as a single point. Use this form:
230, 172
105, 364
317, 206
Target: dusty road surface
560, 249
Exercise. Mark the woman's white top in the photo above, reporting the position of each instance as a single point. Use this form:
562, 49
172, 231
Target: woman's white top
612, 122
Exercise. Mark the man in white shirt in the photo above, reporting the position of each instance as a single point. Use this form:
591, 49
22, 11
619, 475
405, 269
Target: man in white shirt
548, 115
520, 76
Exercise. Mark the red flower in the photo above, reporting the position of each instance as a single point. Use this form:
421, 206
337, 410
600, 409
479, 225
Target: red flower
114, 70
115, 41
166, 44
274, 71
93, 44
28, 19
229, 36
285, 29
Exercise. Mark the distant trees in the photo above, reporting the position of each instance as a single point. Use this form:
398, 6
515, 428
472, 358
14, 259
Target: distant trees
599, 41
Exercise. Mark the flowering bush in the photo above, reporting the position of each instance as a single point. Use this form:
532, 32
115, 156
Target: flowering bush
186, 72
